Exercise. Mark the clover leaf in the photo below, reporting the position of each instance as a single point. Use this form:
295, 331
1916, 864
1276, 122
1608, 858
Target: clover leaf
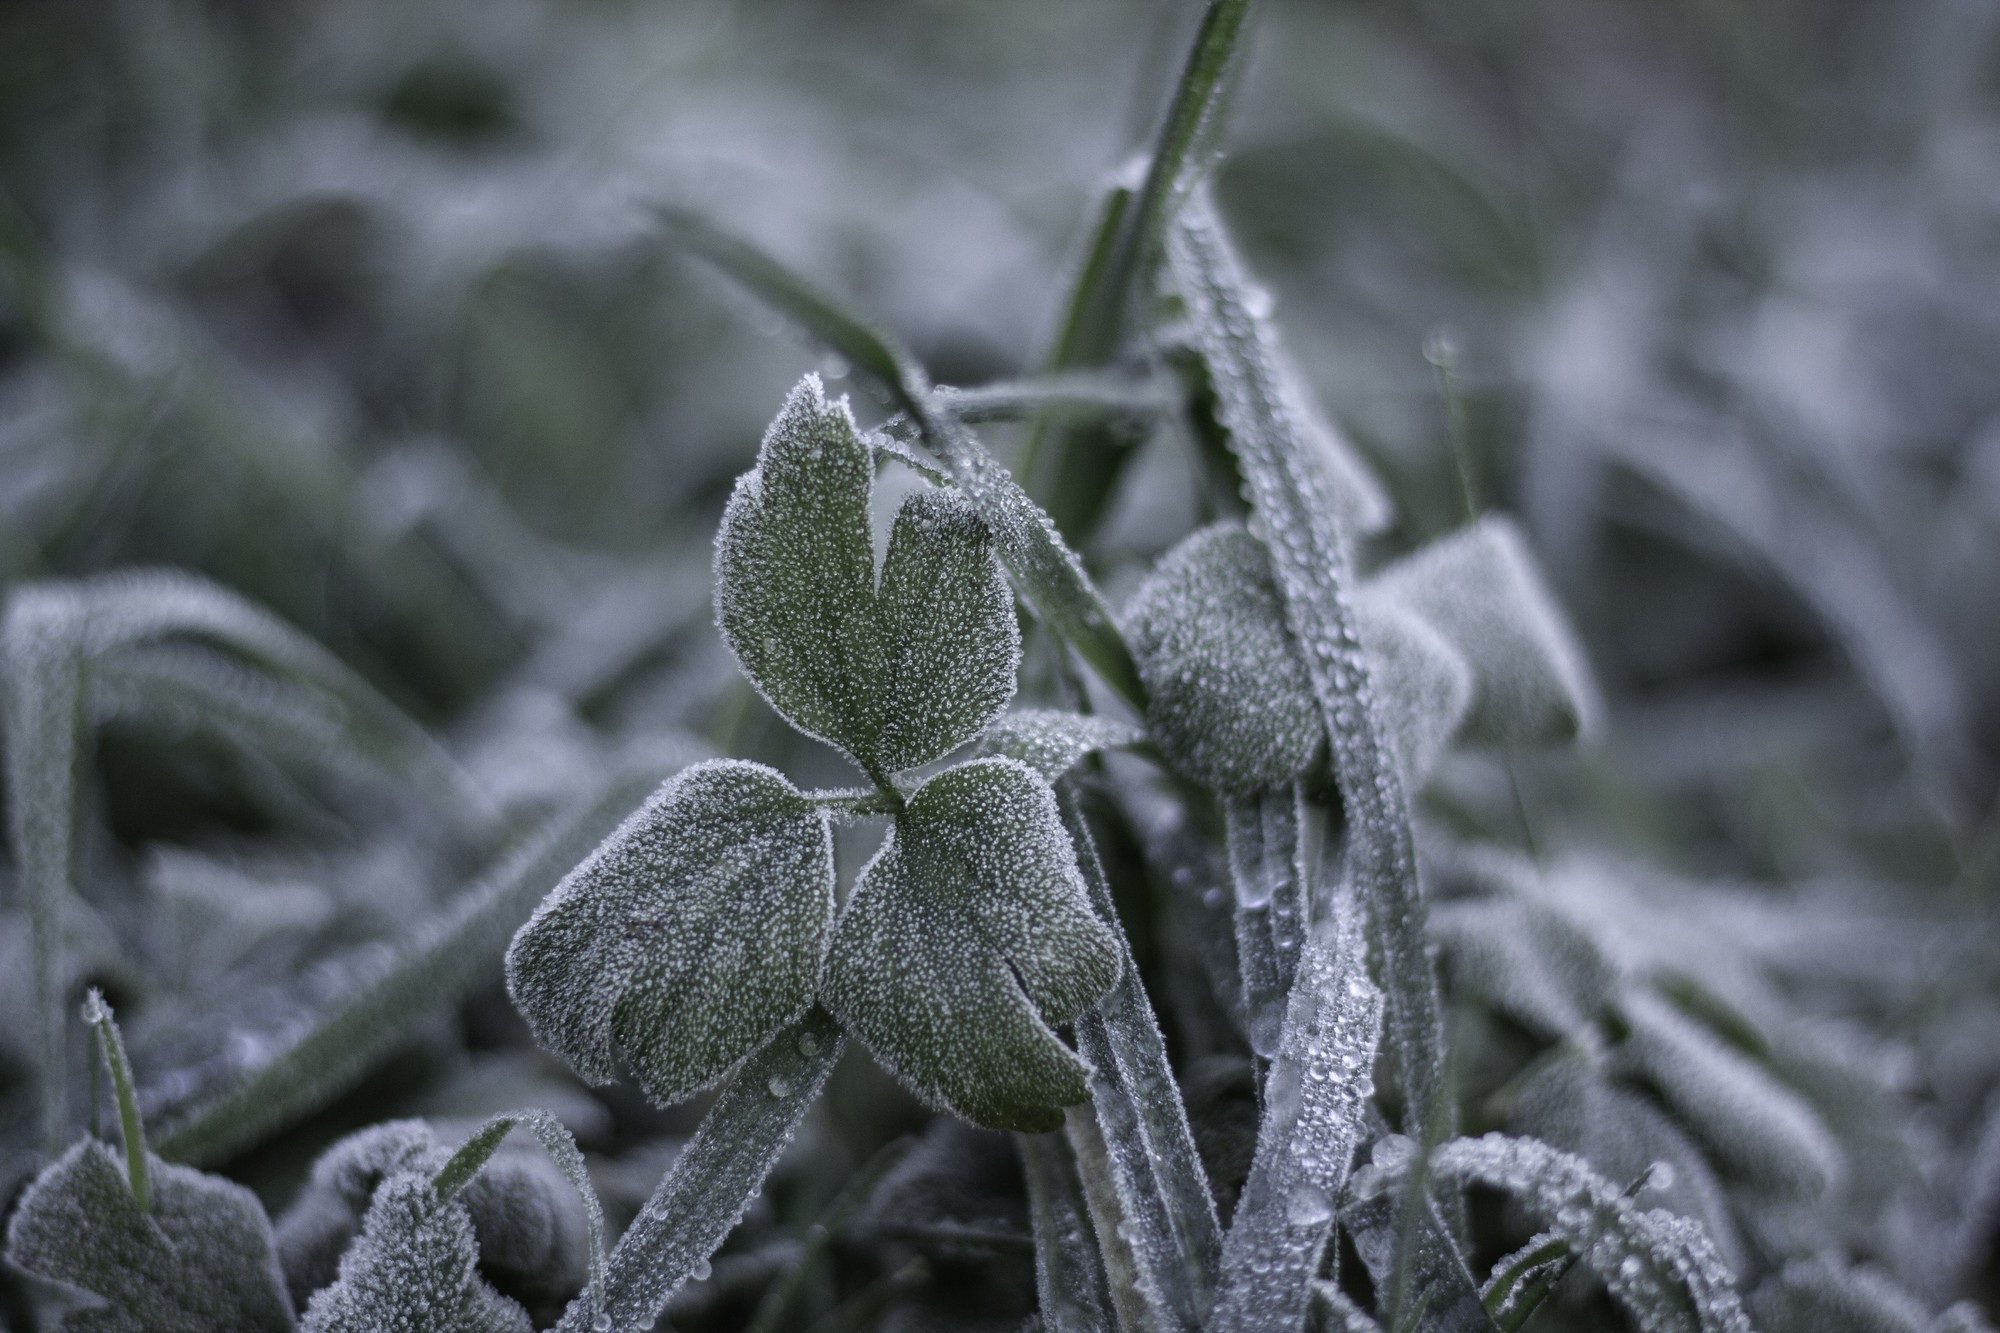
688, 937
967, 937
198, 1258
896, 673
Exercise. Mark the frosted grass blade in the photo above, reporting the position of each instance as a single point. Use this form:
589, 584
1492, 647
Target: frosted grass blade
1070, 394
1296, 516
1263, 845
717, 1174
1029, 542
1069, 1280
1162, 1188
456, 951
41, 653
1316, 1100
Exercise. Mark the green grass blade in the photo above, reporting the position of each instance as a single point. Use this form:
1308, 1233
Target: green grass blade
455, 952
1296, 516
718, 1173
1072, 469
1047, 570
1069, 1279
98, 1015
41, 651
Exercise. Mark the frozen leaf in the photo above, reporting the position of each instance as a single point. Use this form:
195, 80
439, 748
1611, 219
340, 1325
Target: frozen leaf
1479, 588
1526, 960
1755, 1125
1660, 1267
199, 1259
967, 938
1051, 742
896, 675
1522, 1280
1425, 686
415, 1267
1230, 702
1402, 1240
1825, 1296
688, 937
316, 1229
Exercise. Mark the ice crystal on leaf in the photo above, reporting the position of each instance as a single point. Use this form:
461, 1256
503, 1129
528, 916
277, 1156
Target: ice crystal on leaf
968, 936
688, 937
199, 1259
1051, 742
897, 673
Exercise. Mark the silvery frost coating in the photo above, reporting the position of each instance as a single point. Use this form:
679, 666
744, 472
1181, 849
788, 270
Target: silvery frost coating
199, 1259
1051, 742
967, 937
688, 937
897, 671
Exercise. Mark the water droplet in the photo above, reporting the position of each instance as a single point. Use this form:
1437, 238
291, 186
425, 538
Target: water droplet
1661, 1177
1308, 1206
700, 1271
602, 1323
779, 1085
1629, 1267
808, 1043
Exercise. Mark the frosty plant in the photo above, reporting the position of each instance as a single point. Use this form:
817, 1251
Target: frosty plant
706, 924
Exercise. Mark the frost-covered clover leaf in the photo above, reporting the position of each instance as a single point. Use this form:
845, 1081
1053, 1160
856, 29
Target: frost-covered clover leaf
688, 937
199, 1258
1464, 643
968, 937
414, 1266
897, 671
1231, 705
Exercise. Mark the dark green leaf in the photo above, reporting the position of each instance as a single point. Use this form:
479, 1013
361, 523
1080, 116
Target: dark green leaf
688, 937
968, 937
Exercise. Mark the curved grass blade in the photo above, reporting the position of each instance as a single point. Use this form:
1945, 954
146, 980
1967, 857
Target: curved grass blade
1048, 571
1161, 1186
1296, 516
41, 654
456, 951
1316, 1100
1072, 470
718, 1173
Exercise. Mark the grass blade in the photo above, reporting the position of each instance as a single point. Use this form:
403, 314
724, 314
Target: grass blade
1048, 571
98, 1015
460, 948
1317, 1096
718, 1173
1162, 1188
1069, 1280
1073, 469
1295, 514
41, 646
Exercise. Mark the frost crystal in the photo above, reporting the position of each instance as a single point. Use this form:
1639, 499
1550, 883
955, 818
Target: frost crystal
899, 672
1051, 742
967, 937
688, 937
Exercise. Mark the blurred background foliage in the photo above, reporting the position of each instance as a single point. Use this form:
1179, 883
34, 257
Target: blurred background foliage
361, 310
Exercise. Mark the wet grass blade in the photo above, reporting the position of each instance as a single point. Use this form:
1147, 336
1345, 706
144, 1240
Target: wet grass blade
1069, 1279
1042, 563
1294, 513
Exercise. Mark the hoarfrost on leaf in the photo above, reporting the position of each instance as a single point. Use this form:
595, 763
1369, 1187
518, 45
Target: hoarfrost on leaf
896, 674
688, 937
200, 1258
968, 936
1051, 742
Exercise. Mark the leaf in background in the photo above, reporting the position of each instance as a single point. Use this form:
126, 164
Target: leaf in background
1661, 1268
1480, 589
316, 1228
199, 1259
1426, 686
1824, 1295
1051, 741
897, 675
415, 1265
688, 937
1753, 1123
1526, 960
1229, 700
968, 936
